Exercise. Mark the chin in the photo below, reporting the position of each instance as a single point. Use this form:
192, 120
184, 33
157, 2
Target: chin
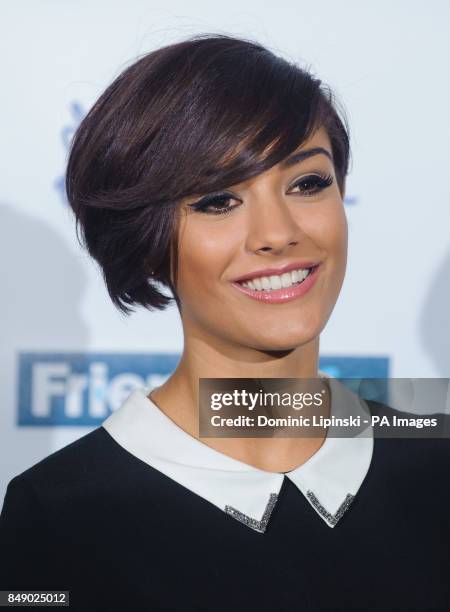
288, 342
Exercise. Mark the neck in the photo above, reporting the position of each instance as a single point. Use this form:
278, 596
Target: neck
178, 397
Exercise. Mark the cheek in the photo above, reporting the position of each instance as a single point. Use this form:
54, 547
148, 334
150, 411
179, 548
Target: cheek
341, 233
335, 242
336, 230
203, 256
326, 226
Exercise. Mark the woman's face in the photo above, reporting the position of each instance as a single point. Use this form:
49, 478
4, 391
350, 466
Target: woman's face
291, 214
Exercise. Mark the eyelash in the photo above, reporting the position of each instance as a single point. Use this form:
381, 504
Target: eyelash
321, 182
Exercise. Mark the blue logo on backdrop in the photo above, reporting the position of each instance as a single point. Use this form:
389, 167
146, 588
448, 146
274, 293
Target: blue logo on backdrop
84, 388
77, 112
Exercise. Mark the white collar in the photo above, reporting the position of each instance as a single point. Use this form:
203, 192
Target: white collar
329, 480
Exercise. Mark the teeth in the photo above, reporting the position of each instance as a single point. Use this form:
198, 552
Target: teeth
267, 283
275, 282
258, 284
286, 279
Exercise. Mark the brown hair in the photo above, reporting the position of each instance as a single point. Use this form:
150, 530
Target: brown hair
189, 118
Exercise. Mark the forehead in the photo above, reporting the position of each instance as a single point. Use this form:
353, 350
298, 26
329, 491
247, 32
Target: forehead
318, 145
318, 142
318, 139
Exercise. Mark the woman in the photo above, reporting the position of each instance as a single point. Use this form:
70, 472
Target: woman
216, 169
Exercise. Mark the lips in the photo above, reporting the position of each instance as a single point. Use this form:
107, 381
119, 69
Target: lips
285, 294
276, 271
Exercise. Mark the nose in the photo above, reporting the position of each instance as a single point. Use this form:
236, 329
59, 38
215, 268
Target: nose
272, 226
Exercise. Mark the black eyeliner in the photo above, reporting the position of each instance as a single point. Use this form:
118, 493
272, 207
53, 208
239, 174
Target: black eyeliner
210, 200
322, 182
207, 200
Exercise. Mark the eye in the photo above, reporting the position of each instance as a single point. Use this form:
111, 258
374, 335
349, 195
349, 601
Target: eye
219, 204
214, 204
312, 184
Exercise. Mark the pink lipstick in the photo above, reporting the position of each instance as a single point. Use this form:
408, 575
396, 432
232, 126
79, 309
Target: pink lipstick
285, 294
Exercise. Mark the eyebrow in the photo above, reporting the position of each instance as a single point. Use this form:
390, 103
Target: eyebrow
293, 159
305, 154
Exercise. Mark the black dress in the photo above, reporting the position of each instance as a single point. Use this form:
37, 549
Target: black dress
119, 534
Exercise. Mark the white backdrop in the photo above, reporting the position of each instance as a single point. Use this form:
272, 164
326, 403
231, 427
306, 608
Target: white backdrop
388, 63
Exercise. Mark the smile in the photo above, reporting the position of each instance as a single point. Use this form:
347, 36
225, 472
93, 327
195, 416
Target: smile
280, 288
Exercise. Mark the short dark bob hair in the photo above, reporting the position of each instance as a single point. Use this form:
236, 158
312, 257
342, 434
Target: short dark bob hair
187, 119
